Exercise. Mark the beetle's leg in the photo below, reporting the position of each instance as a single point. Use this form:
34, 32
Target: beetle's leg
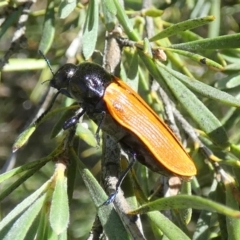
73, 120
99, 127
120, 180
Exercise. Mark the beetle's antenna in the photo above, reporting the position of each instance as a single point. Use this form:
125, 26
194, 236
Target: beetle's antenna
46, 81
47, 61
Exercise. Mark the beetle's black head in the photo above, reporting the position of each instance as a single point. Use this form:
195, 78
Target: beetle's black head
88, 83
62, 77
85, 83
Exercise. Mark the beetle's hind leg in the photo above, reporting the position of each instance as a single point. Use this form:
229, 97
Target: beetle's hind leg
113, 195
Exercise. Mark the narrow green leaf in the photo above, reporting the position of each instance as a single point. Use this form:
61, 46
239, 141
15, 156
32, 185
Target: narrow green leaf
66, 7
196, 57
43, 225
87, 135
188, 36
233, 67
182, 26
10, 20
90, 30
59, 124
48, 28
20, 227
109, 4
233, 82
19, 181
33, 230
28, 166
23, 206
215, 26
204, 89
109, 12
71, 179
132, 74
110, 220
186, 201
59, 211
233, 224
170, 230
125, 22
16, 64
222, 42
23, 137
186, 214
196, 109
152, 12
202, 228
235, 149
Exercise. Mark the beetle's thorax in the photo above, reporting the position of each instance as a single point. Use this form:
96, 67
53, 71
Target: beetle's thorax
88, 83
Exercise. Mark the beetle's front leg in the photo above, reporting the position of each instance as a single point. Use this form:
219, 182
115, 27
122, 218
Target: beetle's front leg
73, 120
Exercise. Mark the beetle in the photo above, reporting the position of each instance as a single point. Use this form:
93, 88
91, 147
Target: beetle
119, 111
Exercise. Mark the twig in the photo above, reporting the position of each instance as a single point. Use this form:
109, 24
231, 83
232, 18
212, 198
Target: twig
18, 40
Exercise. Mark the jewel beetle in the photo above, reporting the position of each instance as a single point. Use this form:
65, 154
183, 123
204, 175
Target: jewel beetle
123, 114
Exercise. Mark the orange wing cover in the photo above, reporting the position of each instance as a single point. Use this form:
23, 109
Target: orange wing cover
131, 112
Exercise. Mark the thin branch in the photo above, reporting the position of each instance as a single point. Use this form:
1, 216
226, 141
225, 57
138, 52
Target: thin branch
18, 40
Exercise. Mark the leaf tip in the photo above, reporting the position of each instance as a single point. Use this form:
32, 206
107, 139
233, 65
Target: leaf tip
15, 148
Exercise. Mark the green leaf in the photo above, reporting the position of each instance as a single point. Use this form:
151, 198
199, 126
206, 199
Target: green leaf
59, 124
66, 7
231, 81
34, 228
132, 74
125, 22
48, 28
207, 122
109, 4
17, 183
16, 64
152, 12
202, 228
222, 42
20, 228
110, 220
109, 12
214, 27
186, 201
24, 168
21, 207
90, 30
182, 26
87, 135
204, 89
23, 137
170, 230
10, 20
233, 224
197, 58
59, 211
43, 227
186, 214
